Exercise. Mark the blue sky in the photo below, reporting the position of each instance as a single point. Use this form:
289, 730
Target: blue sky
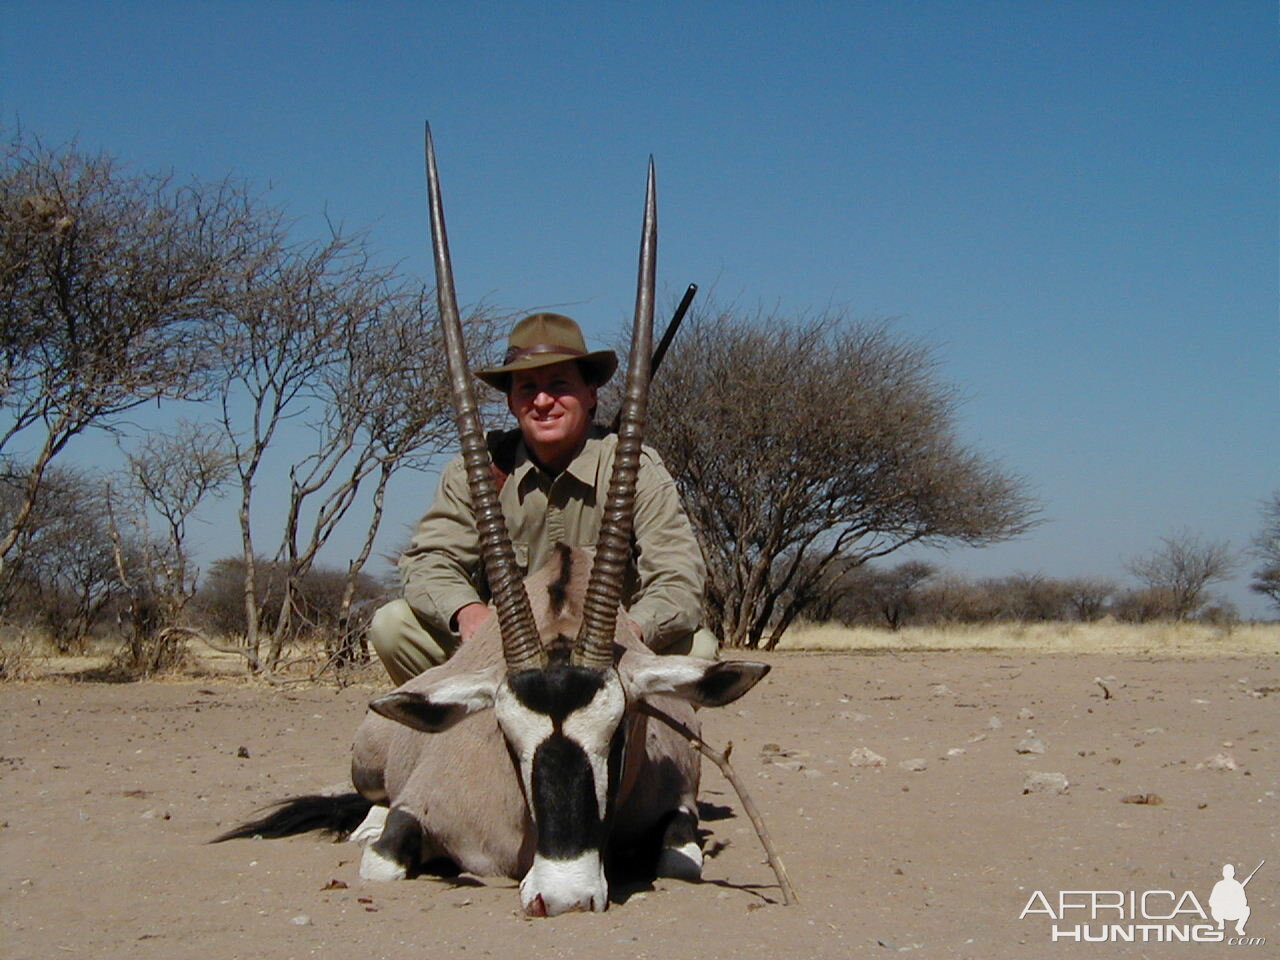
1074, 201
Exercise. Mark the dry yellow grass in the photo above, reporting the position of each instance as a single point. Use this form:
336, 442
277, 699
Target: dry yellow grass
23, 659
28, 656
1162, 639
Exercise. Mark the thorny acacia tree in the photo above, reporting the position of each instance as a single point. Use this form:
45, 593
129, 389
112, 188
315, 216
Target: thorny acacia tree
61, 575
894, 594
324, 340
384, 407
1182, 568
802, 444
167, 478
389, 409
119, 288
1266, 547
107, 278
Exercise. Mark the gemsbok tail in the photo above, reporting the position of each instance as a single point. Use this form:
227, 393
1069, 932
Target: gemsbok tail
338, 814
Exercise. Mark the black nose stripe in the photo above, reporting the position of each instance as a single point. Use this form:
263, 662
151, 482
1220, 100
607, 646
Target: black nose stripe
564, 800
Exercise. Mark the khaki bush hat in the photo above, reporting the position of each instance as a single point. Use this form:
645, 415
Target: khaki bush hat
542, 339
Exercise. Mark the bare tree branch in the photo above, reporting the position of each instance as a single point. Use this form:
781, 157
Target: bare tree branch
108, 280
1266, 547
1183, 568
801, 443
721, 760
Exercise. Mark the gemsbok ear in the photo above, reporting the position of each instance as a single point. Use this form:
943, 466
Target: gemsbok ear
439, 708
706, 683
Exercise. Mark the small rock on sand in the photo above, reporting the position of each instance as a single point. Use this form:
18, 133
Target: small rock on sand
1045, 783
1219, 761
864, 757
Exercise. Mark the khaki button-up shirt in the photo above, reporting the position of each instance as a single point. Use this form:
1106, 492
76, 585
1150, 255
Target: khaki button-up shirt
442, 571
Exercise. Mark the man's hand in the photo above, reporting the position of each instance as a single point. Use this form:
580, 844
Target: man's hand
470, 619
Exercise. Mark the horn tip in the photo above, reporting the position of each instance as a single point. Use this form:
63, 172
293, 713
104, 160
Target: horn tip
430, 151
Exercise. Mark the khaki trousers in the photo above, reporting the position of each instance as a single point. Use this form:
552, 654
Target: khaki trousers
407, 647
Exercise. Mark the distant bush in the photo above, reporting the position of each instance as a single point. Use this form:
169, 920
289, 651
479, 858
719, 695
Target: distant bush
218, 607
915, 594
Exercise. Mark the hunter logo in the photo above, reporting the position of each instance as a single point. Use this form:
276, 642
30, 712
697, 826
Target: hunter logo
1148, 916
1228, 900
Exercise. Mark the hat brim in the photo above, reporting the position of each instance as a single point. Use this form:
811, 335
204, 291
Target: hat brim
597, 368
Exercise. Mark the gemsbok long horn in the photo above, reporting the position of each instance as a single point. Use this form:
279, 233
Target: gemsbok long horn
613, 548
520, 642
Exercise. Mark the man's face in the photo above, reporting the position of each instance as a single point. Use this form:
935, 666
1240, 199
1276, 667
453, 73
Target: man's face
553, 406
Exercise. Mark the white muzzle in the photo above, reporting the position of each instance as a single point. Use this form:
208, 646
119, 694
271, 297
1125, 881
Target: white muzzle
561, 886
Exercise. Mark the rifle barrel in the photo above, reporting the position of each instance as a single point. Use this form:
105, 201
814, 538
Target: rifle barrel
668, 335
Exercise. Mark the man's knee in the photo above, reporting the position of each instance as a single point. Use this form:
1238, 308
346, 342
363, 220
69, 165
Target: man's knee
386, 627
705, 645
403, 644
701, 643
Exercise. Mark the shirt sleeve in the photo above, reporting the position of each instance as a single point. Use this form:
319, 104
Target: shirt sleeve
669, 564
439, 567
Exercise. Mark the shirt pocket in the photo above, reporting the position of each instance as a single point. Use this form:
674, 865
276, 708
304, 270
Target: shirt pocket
584, 530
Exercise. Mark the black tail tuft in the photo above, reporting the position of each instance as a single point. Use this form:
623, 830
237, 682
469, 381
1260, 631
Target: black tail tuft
338, 814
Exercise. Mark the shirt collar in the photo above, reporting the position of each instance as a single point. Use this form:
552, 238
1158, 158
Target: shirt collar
584, 468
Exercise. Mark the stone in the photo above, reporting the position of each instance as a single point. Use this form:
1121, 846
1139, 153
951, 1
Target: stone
864, 757
1045, 783
1219, 761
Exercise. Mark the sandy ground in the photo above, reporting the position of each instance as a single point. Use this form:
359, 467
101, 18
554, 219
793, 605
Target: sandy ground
110, 790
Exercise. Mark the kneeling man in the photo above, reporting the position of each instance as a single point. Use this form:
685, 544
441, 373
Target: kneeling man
553, 474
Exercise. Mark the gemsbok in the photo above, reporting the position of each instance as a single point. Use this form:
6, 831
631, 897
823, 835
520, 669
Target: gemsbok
526, 755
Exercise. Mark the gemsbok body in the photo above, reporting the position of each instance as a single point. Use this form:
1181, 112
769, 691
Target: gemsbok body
525, 755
